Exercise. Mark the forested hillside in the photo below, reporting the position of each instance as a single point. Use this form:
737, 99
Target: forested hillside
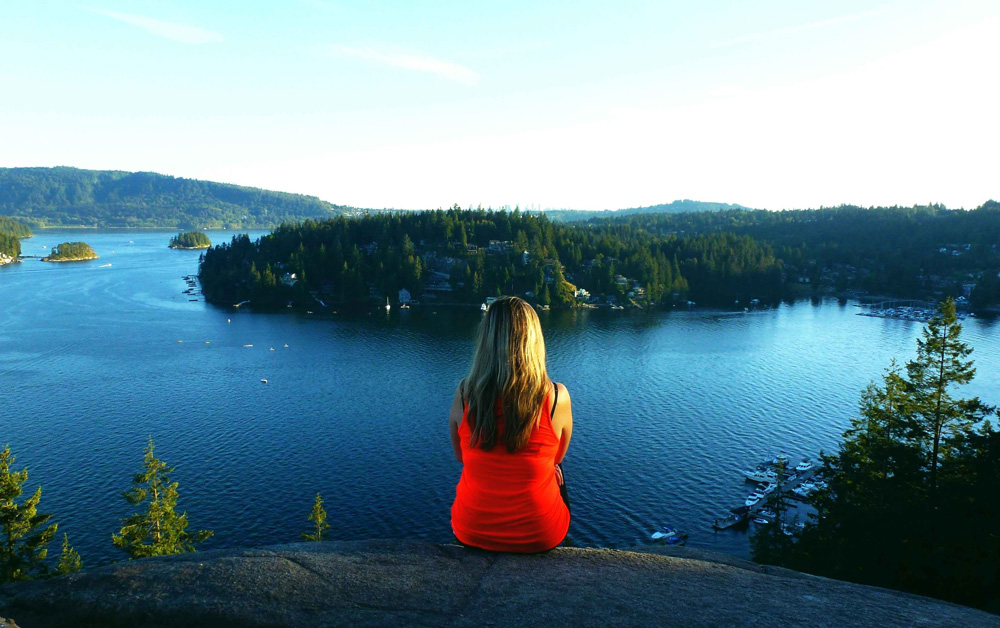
905, 251
675, 207
466, 256
50, 197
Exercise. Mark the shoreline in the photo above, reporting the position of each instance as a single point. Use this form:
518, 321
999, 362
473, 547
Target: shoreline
72, 259
190, 248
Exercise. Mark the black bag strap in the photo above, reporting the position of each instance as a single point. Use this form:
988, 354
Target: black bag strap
555, 399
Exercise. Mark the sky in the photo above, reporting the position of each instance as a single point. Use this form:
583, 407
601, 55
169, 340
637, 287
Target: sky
564, 104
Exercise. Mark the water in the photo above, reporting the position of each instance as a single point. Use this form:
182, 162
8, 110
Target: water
668, 406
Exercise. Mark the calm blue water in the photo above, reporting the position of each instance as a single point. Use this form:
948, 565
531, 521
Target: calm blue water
668, 407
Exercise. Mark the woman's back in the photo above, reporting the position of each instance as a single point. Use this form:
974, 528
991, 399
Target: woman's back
510, 501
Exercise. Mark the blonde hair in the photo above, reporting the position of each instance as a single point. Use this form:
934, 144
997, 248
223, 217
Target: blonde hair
509, 366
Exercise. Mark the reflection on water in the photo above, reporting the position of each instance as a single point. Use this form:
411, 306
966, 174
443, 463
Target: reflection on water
668, 406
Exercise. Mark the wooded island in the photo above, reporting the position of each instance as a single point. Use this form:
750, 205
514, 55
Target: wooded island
71, 252
190, 240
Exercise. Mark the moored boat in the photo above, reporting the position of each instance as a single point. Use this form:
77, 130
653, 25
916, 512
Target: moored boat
764, 476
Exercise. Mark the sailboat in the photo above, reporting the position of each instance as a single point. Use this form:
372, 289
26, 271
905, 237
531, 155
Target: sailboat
387, 304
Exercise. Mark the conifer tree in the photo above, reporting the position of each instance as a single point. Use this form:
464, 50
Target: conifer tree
158, 530
23, 533
318, 517
769, 543
69, 559
942, 362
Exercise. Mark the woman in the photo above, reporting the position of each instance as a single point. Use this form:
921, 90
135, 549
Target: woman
510, 428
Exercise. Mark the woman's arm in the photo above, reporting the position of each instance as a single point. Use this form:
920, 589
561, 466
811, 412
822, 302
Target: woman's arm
562, 422
454, 420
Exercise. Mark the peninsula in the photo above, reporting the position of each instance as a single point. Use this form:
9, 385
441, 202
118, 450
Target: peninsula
71, 252
11, 232
190, 240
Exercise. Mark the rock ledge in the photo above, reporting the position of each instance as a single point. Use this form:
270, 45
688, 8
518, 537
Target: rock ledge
390, 583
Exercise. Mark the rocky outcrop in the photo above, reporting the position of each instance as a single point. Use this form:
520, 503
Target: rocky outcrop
392, 583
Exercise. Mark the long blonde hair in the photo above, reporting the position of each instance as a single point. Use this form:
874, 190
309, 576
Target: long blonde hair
509, 365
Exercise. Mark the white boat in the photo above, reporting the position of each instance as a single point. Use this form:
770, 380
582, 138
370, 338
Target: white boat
805, 465
263, 381
781, 458
761, 520
752, 499
762, 476
804, 490
770, 488
670, 535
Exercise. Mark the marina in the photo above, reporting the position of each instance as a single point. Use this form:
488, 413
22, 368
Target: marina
771, 476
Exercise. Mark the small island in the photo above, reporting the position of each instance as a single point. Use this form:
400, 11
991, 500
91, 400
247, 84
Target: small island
190, 240
71, 252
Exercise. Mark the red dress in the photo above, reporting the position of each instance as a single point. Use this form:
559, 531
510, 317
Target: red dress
510, 502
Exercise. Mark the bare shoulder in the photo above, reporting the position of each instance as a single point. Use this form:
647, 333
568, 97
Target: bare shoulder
563, 393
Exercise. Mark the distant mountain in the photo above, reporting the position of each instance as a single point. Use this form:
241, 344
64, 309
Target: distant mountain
51, 197
676, 207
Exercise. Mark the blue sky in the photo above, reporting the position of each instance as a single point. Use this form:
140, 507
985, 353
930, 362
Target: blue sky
559, 104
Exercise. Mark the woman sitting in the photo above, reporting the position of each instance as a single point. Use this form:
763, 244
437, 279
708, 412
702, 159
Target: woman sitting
510, 428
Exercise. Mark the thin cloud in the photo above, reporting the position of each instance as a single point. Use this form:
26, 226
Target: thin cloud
411, 61
174, 31
798, 28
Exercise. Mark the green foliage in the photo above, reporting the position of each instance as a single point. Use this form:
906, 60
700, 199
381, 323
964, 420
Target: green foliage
158, 530
911, 501
318, 517
10, 246
69, 559
921, 251
23, 530
348, 259
12, 227
68, 251
770, 544
190, 240
106, 198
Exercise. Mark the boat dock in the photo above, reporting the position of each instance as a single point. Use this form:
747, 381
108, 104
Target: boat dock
789, 481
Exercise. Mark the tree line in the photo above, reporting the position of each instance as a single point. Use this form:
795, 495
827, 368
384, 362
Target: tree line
465, 256
11, 231
912, 500
919, 251
156, 529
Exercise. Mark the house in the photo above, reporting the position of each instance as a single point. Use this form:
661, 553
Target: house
581, 294
525, 258
404, 296
289, 279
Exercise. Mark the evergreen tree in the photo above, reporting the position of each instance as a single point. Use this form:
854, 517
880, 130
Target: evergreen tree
914, 454
23, 533
69, 559
770, 544
942, 362
159, 530
318, 517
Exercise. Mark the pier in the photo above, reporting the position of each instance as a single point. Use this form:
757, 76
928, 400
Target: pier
788, 481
